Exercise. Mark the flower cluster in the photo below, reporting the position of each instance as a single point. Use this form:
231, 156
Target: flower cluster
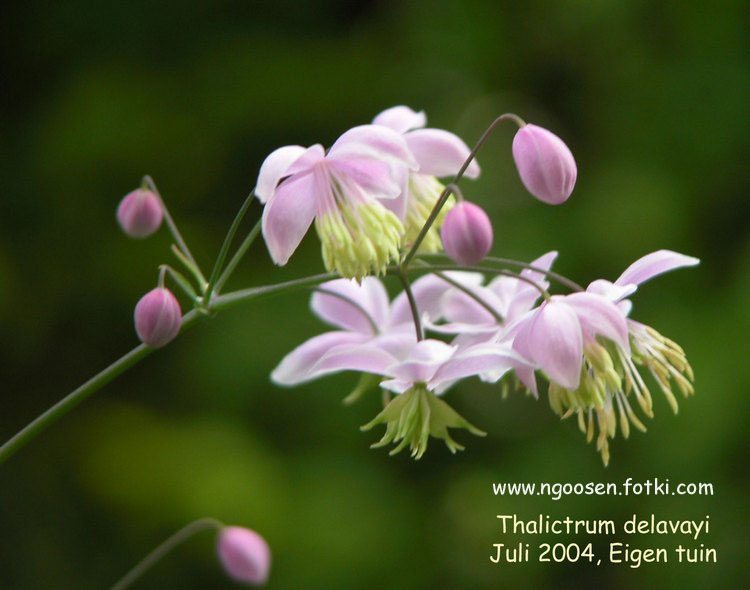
369, 195
510, 330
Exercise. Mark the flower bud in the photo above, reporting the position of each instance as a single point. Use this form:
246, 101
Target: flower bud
157, 317
244, 554
140, 213
545, 164
467, 233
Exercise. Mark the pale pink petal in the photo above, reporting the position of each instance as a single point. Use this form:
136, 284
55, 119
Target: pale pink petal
379, 179
440, 153
482, 358
599, 315
398, 205
364, 358
654, 264
554, 341
610, 290
274, 168
458, 307
296, 366
397, 343
352, 306
373, 141
422, 362
311, 156
401, 119
287, 216
428, 291
527, 376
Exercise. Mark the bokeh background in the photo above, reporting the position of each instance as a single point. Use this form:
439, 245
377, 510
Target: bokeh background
652, 99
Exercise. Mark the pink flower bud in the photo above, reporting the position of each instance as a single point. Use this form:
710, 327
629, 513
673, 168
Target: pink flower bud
140, 213
157, 317
244, 554
547, 168
467, 233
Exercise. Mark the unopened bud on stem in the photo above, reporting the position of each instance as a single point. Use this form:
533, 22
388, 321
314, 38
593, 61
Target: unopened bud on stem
158, 317
244, 554
467, 233
140, 213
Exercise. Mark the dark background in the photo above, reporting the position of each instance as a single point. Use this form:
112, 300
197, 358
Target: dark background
652, 99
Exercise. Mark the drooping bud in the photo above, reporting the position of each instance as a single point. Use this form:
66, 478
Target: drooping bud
467, 233
244, 554
157, 317
140, 213
545, 164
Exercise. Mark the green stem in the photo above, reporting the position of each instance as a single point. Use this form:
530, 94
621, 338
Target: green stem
488, 270
182, 282
151, 185
480, 300
563, 280
179, 537
412, 303
65, 405
235, 260
451, 188
225, 246
194, 270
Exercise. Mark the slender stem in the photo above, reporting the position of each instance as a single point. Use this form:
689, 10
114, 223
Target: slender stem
450, 188
194, 270
480, 300
65, 405
412, 303
179, 537
149, 182
225, 246
230, 299
235, 260
354, 304
563, 280
181, 281
489, 270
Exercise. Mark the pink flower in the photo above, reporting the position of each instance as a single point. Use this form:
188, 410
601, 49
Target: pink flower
545, 164
467, 233
439, 154
157, 317
554, 335
244, 554
363, 315
343, 191
140, 213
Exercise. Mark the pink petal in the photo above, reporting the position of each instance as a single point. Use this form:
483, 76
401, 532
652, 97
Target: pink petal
654, 264
599, 315
428, 291
440, 153
401, 119
458, 307
481, 358
554, 341
287, 216
422, 362
365, 358
610, 290
274, 168
313, 155
526, 376
376, 177
350, 311
296, 367
375, 142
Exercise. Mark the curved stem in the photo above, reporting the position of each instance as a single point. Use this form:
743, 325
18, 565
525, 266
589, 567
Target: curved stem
412, 303
480, 300
179, 537
235, 260
151, 185
225, 246
489, 270
563, 280
450, 188
181, 281
65, 405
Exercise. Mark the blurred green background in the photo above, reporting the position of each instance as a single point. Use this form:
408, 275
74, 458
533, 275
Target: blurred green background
652, 99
